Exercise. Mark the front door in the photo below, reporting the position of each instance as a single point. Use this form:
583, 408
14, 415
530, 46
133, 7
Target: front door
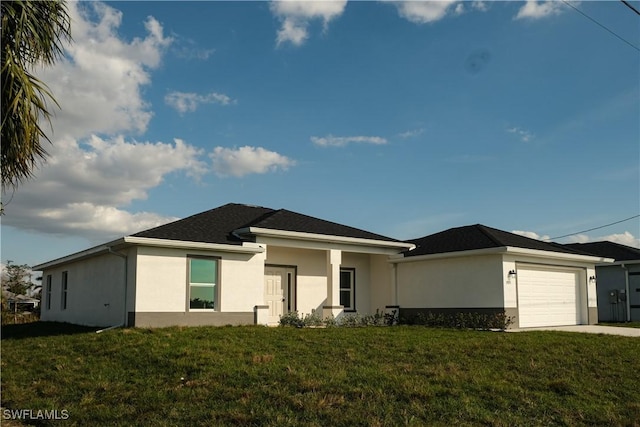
278, 289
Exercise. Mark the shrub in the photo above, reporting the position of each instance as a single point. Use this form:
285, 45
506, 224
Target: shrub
460, 320
291, 319
313, 319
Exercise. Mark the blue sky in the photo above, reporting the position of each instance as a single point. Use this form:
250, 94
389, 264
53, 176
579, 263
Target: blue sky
401, 118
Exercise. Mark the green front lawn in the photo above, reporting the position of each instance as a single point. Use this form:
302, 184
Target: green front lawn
337, 376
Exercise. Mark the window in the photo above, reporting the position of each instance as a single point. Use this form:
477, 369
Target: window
48, 291
348, 288
65, 282
203, 277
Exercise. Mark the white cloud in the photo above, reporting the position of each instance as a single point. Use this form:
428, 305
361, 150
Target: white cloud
187, 48
247, 160
411, 133
531, 235
100, 222
98, 82
341, 141
523, 134
93, 172
185, 102
296, 15
423, 12
80, 189
625, 238
428, 11
533, 9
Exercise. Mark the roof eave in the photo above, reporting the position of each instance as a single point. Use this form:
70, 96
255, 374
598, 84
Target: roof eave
268, 232
77, 256
246, 248
505, 250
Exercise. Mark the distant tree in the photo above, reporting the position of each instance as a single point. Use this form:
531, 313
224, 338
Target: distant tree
32, 35
17, 279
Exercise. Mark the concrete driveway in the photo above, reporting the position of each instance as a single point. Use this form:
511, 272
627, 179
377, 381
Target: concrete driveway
588, 329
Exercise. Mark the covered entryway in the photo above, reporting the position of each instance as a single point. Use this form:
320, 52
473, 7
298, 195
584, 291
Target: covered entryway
279, 291
549, 296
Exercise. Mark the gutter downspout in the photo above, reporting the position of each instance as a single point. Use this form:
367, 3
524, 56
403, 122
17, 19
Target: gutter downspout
126, 276
626, 289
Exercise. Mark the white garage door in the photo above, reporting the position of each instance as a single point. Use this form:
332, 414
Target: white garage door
548, 297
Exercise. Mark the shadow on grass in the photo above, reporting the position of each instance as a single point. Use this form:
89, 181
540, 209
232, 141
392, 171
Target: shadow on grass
43, 329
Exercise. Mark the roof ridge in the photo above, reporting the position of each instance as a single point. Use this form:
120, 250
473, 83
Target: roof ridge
261, 218
487, 232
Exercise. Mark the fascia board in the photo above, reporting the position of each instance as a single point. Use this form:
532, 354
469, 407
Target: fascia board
562, 255
267, 232
87, 253
459, 254
506, 250
617, 263
246, 248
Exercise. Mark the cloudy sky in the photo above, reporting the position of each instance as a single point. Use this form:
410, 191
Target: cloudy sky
402, 118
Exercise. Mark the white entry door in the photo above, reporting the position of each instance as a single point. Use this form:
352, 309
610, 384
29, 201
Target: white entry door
278, 289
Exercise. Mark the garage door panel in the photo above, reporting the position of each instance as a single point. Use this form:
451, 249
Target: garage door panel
548, 297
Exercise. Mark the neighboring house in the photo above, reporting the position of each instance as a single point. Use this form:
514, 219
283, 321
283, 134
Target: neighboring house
236, 264
18, 302
240, 264
482, 269
618, 284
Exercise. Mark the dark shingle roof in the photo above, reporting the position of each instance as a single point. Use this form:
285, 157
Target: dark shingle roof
217, 225
212, 226
479, 236
609, 250
285, 220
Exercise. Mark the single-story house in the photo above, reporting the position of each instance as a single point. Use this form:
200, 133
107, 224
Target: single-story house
17, 302
618, 283
240, 264
235, 264
482, 269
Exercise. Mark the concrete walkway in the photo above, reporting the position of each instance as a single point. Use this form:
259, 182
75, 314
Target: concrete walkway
588, 329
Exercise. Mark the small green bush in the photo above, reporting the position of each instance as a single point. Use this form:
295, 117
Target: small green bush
313, 319
291, 319
460, 320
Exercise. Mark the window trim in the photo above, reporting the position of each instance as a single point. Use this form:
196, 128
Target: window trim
216, 285
64, 290
352, 288
48, 291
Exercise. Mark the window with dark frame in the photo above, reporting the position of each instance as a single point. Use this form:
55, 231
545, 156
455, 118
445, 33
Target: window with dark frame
65, 284
203, 278
348, 288
48, 291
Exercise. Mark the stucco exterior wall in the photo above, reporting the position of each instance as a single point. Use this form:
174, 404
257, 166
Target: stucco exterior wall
381, 293
463, 282
95, 292
372, 277
161, 280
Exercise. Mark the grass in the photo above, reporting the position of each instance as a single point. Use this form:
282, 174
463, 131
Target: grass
336, 376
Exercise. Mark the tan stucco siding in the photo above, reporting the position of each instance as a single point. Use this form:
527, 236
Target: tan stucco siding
95, 292
161, 280
462, 282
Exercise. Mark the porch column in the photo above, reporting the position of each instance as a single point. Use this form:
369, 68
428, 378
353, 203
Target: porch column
332, 306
